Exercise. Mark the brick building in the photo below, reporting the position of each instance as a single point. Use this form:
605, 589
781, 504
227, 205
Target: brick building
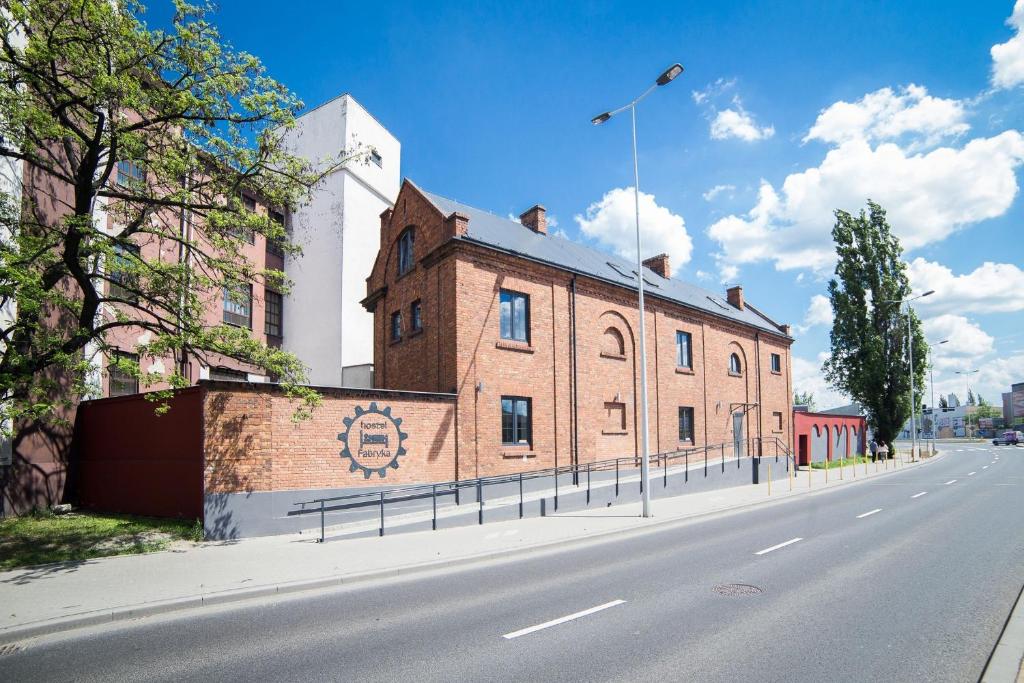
537, 337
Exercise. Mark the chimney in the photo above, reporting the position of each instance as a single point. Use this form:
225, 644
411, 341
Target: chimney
659, 264
385, 221
787, 330
457, 224
734, 295
535, 220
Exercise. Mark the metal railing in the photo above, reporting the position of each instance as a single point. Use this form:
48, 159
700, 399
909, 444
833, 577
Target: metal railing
712, 455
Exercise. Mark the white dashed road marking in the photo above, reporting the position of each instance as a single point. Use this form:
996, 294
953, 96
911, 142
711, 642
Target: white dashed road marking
984, 467
780, 545
562, 620
868, 514
918, 495
971, 474
951, 481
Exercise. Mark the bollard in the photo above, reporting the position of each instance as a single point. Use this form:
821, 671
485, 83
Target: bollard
381, 513
321, 522
664, 462
769, 479
588, 483
616, 477
433, 497
480, 498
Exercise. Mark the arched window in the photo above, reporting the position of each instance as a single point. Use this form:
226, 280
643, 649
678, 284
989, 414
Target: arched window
613, 344
734, 364
405, 244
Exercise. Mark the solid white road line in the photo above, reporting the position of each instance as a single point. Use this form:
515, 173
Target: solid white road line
951, 481
781, 545
561, 620
868, 514
918, 495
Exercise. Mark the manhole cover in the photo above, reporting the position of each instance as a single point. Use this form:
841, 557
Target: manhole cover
9, 649
737, 589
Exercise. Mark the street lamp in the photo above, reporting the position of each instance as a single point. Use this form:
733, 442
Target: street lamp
665, 78
931, 384
910, 350
967, 374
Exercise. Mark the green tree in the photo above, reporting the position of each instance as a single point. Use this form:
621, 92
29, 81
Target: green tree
88, 86
970, 398
869, 359
805, 398
943, 402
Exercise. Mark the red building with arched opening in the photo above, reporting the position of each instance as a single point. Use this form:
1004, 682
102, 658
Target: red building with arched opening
825, 436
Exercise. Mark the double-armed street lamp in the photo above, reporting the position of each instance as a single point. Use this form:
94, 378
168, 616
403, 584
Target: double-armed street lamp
910, 351
664, 79
931, 384
967, 419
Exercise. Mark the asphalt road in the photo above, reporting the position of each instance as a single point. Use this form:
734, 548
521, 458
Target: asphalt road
882, 586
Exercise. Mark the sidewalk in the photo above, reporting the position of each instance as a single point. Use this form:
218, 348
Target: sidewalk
59, 597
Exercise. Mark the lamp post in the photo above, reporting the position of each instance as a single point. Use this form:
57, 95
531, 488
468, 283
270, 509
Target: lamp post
665, 78
931, 384
967, 374
910, 351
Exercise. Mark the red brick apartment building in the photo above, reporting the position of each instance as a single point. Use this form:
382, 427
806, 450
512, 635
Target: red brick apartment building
536, 335
40, 453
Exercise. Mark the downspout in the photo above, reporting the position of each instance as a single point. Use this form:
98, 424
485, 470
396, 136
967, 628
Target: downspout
184, 258
575, 405
760, 415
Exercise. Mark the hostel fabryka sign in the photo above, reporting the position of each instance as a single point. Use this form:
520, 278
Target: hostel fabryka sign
373, 440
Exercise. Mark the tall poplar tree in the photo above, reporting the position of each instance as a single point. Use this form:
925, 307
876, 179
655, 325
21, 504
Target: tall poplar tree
869, 359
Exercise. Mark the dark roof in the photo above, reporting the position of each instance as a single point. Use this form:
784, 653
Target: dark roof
851, 409
513, 237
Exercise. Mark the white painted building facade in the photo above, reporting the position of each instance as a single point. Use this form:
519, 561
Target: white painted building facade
339, 232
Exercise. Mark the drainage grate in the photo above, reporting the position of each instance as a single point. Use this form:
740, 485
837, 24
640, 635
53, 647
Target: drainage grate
737, 589
9, 649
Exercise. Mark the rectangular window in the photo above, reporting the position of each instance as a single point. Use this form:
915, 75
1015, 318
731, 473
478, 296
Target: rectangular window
684, 350
123, 280
122, 382
515, 421
396, 326
131, 174
241, 232
274, 245
376, 158
228, 375
686, 425
776, 363
274, 312
777, 417
515, 316
416, 317
238, 306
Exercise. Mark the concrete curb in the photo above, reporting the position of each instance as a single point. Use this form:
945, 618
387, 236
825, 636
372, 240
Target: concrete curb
1004, 665
118, 614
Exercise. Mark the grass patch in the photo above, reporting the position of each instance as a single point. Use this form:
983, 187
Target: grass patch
845, 462
43, 537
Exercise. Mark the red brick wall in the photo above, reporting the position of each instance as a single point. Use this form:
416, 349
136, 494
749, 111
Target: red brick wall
461, 351
252, 443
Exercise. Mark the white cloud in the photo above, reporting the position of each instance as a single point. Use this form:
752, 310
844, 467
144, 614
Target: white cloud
966, 338
819, 312
809, 377
989, 288
717, 190
1008, 57
888, 115
928, 196
738, 123
727, 272
612, 223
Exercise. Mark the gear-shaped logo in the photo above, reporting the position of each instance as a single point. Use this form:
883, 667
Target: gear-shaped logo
373, 440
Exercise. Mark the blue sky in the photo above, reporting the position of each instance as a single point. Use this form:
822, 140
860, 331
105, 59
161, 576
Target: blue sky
492, 102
